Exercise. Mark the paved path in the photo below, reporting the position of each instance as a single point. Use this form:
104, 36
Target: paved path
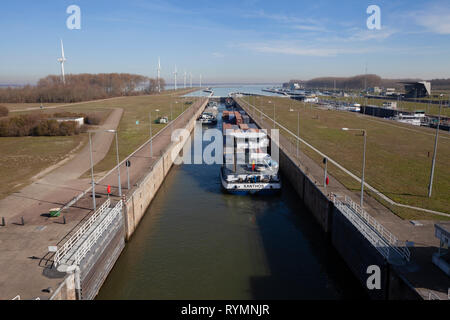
24, 260
57, 186
421, 273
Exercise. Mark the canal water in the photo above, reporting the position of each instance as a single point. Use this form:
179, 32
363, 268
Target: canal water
196, 242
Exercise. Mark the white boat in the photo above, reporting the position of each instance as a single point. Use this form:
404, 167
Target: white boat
209, 116
246, 168
414, 119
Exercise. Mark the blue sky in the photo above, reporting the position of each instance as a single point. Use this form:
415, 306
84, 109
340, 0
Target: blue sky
226, 41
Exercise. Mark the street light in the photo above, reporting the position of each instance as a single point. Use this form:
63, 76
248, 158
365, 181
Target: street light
298, 129
430, 186
364, 162
118, 161
92, 165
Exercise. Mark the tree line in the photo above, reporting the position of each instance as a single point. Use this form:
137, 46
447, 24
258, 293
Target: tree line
41, 124
365, 81
81, 87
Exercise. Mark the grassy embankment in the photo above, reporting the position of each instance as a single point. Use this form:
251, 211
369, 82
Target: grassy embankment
132, 135
398, 155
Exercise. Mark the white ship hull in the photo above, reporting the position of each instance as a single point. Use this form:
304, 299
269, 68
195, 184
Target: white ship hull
250, 187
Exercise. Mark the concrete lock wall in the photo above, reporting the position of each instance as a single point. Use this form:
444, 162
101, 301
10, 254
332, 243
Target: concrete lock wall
98, 262
315, 201
138, 202
95, 267
356, 251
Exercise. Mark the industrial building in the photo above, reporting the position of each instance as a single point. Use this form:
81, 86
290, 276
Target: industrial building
419, 89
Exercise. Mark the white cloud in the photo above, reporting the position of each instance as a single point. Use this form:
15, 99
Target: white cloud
368, 35
282, 18
300, 50
436, 20
309, 28
218, 54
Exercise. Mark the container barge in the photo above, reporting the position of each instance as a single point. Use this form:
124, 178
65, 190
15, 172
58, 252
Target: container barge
247, 167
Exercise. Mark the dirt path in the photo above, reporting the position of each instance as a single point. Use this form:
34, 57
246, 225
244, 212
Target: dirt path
64, 178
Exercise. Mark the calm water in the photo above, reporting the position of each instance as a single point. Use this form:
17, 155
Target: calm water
224, 91
195, 242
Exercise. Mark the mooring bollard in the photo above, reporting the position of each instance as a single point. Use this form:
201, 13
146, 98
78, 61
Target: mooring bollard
23, 221
3, 222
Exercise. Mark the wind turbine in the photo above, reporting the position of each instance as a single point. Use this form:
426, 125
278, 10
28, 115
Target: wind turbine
200, 81
185, 79
61, 61
175, 74
190, 78
159, 74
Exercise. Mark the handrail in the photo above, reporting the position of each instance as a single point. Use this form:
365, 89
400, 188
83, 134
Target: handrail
386, 234
97, 233
351, 209
79, 233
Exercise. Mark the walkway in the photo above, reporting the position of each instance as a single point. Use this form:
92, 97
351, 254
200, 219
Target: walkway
24, 259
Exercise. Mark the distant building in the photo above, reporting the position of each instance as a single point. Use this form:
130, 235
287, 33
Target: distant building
390, 105
79, 121
295, 86
420, 89
390, 92
374, 90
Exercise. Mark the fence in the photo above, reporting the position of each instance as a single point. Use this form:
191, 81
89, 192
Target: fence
90, 240
376, 233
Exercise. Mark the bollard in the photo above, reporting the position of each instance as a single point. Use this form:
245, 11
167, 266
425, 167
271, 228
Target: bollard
23, 221
64, 219
3, 222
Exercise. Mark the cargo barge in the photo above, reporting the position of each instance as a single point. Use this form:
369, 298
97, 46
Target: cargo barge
247, 167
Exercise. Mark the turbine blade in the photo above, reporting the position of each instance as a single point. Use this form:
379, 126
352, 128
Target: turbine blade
62, 49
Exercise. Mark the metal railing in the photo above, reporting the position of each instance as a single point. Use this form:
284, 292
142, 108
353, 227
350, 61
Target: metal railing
433, 296
96, 234
374, 231
68, 245
362, 227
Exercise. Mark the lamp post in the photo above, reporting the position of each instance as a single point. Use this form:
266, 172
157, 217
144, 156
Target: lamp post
364, 161
430, 186
298, 129
92, 165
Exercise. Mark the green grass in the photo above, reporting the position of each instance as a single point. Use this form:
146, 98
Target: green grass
24, 157
21, 158
397, 161
132, 135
